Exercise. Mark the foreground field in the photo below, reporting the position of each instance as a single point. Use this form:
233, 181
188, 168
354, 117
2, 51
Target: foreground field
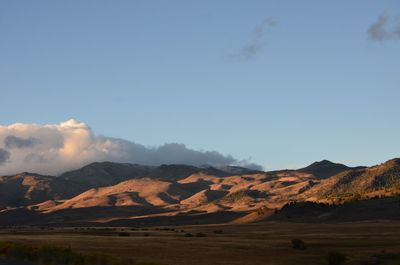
263, 243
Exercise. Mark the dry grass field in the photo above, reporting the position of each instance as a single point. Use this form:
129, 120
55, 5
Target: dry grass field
368, 243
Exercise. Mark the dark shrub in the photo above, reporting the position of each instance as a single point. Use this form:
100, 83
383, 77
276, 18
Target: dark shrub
51, 255
219, 231
336, 258
200, 234
123, 234
298, 244
188, 235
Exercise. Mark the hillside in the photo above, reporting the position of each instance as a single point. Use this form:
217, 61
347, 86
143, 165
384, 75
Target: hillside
377, 181
27, 189
361, 210
134, 194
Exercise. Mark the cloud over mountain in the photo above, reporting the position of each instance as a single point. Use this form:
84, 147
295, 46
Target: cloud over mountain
55, 148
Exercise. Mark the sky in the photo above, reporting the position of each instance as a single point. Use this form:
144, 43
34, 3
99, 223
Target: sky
280, 84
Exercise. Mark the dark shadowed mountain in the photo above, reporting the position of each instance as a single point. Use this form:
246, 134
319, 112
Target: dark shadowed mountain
177, 172
234, 170
361, 210
325, 169
29, 188
102, 174
108, 173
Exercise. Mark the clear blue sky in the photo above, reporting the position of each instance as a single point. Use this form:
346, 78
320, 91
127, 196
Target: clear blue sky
164, 71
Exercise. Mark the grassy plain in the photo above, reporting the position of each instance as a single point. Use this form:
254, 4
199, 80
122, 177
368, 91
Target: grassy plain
365, 243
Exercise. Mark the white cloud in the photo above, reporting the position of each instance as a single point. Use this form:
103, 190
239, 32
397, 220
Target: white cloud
56, 148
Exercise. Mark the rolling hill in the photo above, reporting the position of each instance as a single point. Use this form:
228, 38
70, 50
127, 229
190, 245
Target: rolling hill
116, 193
362, 183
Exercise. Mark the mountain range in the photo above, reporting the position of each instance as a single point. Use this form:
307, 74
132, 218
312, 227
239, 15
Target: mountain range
122, 194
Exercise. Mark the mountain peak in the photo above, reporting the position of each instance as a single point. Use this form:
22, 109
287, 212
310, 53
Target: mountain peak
324, 169
323, 163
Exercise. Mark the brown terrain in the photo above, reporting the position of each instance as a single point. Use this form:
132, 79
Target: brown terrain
125, 194
262, 243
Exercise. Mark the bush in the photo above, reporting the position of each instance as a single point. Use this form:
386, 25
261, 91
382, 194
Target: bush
188, 235
219, 231
124, 234
200, 234
298, 244
336, 258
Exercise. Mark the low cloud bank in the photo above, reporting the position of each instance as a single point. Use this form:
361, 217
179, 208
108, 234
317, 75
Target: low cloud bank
56, 148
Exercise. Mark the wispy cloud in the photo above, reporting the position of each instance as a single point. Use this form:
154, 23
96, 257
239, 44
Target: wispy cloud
256, 43
55, 148
381, 30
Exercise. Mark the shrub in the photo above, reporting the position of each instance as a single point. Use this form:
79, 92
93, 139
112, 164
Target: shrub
298, 244
54, 255
200, 234
188, 235
219, 231
124, 234
336, 258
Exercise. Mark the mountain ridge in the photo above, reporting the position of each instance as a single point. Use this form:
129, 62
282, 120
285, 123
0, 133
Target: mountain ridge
176, 192
325, 168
